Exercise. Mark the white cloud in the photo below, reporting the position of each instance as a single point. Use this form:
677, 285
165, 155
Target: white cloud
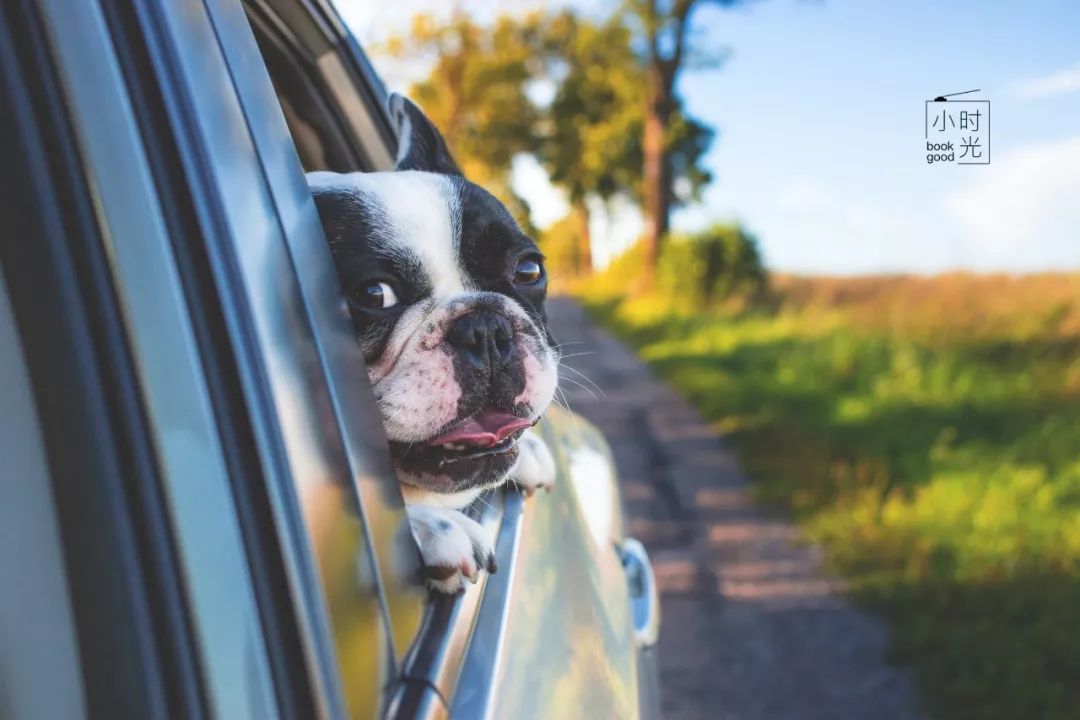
850, 217
815, 226
1062, 82
1023, 209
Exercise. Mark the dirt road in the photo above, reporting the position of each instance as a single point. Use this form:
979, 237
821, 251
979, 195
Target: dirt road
752, 627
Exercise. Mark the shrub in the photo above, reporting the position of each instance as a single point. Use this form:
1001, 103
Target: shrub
695, 272
711, 267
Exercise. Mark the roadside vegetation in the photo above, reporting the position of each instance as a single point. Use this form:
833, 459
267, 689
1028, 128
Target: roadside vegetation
926, 431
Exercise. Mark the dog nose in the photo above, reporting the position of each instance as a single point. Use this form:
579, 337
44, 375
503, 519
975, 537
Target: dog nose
484, 338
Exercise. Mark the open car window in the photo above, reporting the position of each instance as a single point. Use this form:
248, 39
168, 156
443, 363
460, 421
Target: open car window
331, 100
334, 107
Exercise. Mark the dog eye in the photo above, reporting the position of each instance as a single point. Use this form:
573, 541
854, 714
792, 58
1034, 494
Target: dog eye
374, 296
528, 271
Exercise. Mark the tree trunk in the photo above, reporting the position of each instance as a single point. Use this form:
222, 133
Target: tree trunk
657, 172
584, 237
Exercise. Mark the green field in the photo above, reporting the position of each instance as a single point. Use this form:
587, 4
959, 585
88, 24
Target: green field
927, 432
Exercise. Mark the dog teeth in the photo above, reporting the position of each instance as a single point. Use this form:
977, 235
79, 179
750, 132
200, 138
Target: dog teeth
454, 446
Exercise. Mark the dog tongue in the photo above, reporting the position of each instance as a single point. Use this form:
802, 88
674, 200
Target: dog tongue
489, 427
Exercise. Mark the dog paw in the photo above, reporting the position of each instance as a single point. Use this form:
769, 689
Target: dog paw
454, 547
535, 467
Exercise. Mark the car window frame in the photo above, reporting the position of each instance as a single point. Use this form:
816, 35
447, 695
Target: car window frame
139, 45
120, 500
210, 59
458, 647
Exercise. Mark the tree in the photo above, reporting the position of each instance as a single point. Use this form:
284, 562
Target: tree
476, 92
593, 147
665, 28
591, 128
591, 136
711, 266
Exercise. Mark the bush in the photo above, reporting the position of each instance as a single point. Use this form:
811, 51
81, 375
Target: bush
695, 272
711, 267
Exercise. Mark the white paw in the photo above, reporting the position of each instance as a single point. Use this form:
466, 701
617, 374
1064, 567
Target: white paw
535, 467
454, 547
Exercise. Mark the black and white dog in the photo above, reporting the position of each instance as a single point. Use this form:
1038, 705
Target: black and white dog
447, 298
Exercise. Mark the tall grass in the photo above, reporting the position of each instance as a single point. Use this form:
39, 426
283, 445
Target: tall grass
927, 432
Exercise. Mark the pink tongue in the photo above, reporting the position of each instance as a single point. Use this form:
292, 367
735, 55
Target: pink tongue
489, 427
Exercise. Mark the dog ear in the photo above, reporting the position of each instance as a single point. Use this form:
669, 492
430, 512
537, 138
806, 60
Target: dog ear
420, 144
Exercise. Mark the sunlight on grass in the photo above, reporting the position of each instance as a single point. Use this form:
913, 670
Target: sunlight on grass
927, 432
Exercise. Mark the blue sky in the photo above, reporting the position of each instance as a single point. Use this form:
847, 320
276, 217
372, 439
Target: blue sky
820, 150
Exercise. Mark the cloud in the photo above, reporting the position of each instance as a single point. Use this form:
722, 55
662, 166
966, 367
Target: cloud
846, 215
1062, 82
817, 227
1023, 208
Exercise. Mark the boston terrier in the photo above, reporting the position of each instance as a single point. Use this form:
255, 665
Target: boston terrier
447, 296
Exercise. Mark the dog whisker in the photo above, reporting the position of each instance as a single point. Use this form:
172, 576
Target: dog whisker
573, 416
480, 499
579, 354
593, 390
580, 374
584, 387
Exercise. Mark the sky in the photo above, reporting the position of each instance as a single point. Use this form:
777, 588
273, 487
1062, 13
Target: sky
820, 111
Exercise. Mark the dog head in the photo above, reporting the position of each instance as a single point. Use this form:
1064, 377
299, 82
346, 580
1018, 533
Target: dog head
447, 296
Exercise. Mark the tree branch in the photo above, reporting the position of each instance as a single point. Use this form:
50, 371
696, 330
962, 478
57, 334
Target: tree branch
681, 23
652, 30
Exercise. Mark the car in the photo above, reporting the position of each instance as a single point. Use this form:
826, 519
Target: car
198, 516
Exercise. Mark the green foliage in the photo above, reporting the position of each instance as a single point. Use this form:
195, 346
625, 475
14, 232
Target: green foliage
939, 464
688, 139
710, 267
588, 136
720, 266
672, 142
476, 92
560, 244
592, 128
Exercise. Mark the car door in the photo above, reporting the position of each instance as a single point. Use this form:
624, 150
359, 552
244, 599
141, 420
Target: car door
152, 582
231, 532
349, 560
215, 555
552, 633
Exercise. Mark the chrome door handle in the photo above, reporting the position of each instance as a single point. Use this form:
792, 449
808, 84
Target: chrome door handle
644, 596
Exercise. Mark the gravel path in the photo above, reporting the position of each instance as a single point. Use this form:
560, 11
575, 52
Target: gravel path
751, 626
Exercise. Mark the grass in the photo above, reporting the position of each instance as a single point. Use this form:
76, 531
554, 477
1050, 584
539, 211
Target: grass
927, 432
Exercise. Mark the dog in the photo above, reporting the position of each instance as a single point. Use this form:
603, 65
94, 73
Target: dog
446, 295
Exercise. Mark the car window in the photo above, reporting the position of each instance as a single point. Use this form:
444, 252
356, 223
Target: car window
188, 465
334, 106
300, 52
334, 124
74, 202
339, 516
343, 126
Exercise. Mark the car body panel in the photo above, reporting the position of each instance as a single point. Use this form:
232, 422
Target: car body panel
163, 348
556, 632
567, 646
379, 503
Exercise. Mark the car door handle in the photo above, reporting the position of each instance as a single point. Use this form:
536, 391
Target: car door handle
644, 596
